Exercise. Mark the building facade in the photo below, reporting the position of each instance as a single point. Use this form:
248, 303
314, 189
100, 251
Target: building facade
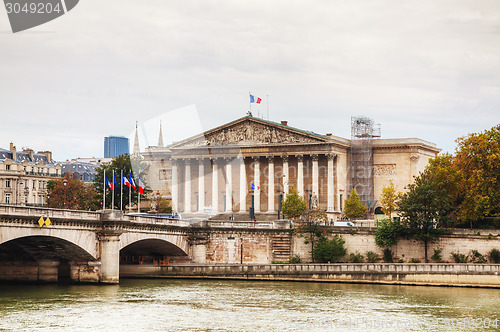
252, 163
115, 146
24, 176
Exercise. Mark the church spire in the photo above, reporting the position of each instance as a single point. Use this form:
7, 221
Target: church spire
137, 149
160, 138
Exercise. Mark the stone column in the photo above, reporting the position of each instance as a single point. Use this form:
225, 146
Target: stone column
174, 187
300, 174
229, 186
215, 186
337, 192
243, 185
286, 179
109, 249
187, 186
315, 176
330, 191
270, 185
201, 185
256, 182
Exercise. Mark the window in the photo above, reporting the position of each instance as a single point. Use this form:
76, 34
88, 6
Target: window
7, 167
34, 184
7, 183
7, 198
24, 168
57, 172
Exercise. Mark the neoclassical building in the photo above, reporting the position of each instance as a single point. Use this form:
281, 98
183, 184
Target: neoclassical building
251, 163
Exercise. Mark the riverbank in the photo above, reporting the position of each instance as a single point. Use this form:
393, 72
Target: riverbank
436, 274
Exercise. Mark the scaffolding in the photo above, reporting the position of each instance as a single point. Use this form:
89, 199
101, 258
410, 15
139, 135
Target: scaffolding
363, 131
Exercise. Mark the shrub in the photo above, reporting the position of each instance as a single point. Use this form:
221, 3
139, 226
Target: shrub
459, 258
494, 256
477, 257
295, 259
387, 255
400, 261
372, 257
437, 257
414, 260
356, 258
329, 250
478, 233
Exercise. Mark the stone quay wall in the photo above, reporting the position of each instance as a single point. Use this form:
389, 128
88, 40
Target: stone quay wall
464, 275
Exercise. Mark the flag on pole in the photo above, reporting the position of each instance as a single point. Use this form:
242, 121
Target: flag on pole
107, 182
125, 181
255, 100
141, 185
255, 187
114, 179
132, 181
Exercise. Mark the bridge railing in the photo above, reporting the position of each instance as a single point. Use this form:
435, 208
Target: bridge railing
158, 221
51, 213
246, 224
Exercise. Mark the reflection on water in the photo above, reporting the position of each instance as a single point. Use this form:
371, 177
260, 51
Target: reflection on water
214, 305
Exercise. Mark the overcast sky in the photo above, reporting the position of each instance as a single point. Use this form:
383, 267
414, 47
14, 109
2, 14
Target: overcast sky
426, 69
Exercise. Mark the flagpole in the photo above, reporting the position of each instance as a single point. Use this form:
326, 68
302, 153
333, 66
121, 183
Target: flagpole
104, 190
138, 199
129, 196
121, 190
113, 192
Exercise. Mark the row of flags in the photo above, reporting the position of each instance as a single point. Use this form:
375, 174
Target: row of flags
128, 182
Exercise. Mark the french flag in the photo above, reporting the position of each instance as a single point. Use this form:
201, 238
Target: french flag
132, 181
254, 187
125, 181
141, 185
107, 182
254, 99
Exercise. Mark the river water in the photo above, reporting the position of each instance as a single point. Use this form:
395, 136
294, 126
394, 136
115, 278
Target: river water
215, 305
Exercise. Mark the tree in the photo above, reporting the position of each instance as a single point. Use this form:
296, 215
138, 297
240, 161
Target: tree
119, 164
329, 250
353, 208
69, 193
423, 210
294, 205
309, 227
388, 233
389, 199
478, 160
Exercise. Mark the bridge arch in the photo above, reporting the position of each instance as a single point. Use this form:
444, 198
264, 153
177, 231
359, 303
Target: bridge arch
84, 239
153, 249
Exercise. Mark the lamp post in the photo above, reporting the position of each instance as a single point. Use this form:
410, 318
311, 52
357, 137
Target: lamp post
158, 203
65, 184
18, 196
280, 194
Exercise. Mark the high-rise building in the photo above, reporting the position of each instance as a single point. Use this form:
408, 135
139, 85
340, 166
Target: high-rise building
115, 146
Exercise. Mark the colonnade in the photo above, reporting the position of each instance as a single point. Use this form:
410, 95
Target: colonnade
223, 173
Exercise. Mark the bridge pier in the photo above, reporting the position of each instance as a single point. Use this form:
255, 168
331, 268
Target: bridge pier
109, 247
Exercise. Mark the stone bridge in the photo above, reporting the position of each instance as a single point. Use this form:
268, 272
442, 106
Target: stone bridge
39, 244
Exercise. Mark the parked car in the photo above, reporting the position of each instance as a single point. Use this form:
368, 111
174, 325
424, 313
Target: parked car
343, 223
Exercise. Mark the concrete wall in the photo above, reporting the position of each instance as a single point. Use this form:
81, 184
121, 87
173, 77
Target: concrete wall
468, 275
362, 241
225, 247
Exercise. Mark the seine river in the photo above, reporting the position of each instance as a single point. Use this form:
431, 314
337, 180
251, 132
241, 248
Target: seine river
214, 305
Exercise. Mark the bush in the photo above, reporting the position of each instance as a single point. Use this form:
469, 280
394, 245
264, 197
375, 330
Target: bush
414, 260
494, 256
372, 257
388, 255
295, 259
356, 258
387, 233
477, 257
437, 257
459, 258
400, 261
329, 250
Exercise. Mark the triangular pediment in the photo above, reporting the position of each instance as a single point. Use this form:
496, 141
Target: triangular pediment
251, 131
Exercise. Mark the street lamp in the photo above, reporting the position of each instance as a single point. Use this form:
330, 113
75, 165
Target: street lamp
65, 184
280, 194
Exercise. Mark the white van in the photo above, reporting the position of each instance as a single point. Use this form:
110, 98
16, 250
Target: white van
343, 223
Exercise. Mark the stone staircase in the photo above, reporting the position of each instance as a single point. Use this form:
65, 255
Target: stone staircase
282, 247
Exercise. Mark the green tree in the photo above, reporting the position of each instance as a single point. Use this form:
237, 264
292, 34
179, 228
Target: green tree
424, 209
478, 160
329, 250
309, 227
69, 193
118, 164
353, 208
294, 205
389, 199
388, 233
